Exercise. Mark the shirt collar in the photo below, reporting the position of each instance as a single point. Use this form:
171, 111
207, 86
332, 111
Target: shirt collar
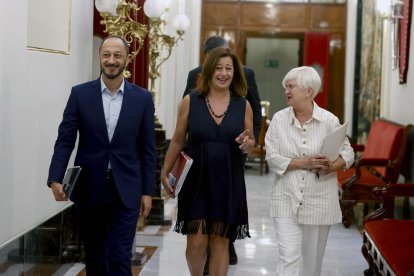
120, 89
316, 113
291, 115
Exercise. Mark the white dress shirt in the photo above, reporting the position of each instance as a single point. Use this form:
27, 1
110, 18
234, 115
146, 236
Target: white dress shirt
112, 108
301, 194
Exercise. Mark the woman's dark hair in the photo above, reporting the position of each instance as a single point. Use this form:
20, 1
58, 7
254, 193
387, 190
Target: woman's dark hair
238, 85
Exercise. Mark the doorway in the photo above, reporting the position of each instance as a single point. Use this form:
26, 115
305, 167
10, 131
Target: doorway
271, 58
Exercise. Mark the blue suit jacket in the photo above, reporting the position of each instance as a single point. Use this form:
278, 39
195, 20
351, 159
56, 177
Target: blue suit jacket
131, 151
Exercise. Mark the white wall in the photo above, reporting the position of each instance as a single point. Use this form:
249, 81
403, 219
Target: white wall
34, 87
350, 63
184, 57
399, 97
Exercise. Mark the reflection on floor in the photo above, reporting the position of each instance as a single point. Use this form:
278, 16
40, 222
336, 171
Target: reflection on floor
256, 256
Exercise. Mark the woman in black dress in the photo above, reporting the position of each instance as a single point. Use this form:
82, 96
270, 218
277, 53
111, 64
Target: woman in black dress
212, 206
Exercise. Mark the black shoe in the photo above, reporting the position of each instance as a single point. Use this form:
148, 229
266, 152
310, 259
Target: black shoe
232, 254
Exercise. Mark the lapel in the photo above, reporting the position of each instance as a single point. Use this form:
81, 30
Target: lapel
97, 106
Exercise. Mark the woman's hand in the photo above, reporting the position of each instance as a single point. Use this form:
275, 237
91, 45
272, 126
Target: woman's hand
331, 167
167, 186
246, 144
315, 163
325, 170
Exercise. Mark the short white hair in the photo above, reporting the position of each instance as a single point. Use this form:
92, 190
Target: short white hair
305, 77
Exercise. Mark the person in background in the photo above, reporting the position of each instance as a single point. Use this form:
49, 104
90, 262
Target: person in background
304, 201
115, 123
212, 204
252, 96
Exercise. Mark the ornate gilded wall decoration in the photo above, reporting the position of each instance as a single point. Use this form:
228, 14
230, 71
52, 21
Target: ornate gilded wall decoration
370, 82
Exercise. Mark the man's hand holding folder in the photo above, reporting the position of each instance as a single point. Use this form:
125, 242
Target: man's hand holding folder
62, 192
58, 193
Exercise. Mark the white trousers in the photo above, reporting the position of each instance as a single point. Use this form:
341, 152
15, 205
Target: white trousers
301, 247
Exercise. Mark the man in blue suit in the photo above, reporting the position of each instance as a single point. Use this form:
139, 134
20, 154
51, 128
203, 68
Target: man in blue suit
116, 150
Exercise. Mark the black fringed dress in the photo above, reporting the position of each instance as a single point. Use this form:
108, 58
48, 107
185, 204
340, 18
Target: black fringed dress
213, 196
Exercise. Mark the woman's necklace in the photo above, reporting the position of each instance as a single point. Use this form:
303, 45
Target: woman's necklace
212, 112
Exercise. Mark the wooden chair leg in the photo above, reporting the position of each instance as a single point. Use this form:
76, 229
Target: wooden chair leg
365, 252
347, 212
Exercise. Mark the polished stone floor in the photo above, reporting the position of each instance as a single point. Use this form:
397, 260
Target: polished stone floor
256, 255
164, 249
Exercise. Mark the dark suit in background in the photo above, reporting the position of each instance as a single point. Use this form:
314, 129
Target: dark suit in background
252, 95
108, 201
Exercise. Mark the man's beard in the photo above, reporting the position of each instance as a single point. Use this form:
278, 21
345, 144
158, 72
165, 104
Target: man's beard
112, 76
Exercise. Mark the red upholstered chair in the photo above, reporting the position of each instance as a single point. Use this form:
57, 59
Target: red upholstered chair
388, 243
379, 165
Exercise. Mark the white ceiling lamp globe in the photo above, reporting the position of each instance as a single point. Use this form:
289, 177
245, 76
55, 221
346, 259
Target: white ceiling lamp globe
181, 22
100, 6
108, 6
155, 8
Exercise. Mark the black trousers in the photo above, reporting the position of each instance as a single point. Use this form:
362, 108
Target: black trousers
108, 231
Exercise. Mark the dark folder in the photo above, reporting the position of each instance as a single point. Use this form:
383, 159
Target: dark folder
70, 180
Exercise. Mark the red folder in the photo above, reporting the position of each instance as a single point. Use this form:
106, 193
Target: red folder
180, 171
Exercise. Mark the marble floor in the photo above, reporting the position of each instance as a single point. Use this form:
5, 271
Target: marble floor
164, 249
257, 255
